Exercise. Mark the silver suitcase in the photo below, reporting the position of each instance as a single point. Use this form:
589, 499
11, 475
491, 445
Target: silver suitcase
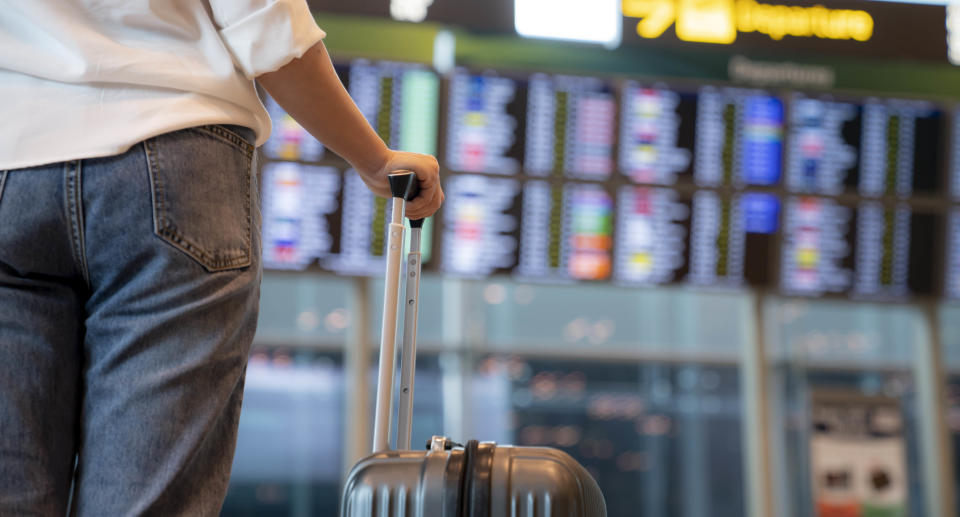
480, 479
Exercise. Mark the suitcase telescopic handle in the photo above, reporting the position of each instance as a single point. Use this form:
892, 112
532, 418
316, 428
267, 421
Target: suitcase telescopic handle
404, 186
408, 345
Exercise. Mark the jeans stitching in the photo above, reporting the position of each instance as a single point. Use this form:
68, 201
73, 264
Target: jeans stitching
165, 228
3, 181
230, 137
157, 186
73, 171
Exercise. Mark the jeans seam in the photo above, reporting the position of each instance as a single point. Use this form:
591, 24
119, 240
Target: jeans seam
230, 137
3, 181
165, 228
73, 177
156, 190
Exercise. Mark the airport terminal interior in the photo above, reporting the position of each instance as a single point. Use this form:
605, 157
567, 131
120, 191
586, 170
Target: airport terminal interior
710, 249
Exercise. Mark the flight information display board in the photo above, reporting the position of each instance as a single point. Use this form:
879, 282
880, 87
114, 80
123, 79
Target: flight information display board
870, 250
954, 146
731, 239
570, 127
363, 232
739, 138
400, 100
823, 145
652, 238
481, 227
554, 178
899, 153
566, 232
656, 134
952, 289
288, 140
485, 123
299, 214
817, 252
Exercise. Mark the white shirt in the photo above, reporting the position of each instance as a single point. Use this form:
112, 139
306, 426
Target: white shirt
89, 78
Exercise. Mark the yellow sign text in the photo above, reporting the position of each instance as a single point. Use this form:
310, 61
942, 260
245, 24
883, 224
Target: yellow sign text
719, 21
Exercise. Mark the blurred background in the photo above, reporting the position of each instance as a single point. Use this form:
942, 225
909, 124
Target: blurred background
711, 249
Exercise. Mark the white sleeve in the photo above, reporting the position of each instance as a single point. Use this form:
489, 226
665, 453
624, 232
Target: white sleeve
264, 35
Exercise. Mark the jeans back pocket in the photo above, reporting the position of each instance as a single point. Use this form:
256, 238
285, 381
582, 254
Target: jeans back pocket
201, 184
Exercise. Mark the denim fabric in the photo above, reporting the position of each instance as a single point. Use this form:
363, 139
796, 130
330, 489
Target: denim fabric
129, 290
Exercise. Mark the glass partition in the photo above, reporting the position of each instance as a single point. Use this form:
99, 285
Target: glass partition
844, 431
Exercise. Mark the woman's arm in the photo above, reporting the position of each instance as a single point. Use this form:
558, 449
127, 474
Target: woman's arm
310, 91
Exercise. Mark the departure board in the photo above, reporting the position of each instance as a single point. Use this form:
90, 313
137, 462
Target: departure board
871, 250
817, 251
739, 140
299, 214
652, 238
480, 225
954, 146
656, 134
731, 241
899, 153
401, 102
716, 186
485, 123
952, 277
363, 230
894, 254
570, 127
288, 140
823, 145
566, 232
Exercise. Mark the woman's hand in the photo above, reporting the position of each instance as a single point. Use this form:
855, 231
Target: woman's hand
428, 172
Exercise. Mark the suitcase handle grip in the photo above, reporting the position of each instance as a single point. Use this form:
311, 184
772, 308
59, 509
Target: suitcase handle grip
404, 184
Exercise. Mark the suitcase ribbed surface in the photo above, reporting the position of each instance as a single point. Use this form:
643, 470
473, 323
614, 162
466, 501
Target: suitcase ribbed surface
522, 482
545, 482
383, 501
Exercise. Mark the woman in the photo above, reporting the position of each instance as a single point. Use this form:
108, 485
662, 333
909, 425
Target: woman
129, 237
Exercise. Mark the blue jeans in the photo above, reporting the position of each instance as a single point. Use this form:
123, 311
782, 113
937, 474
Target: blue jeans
129, 291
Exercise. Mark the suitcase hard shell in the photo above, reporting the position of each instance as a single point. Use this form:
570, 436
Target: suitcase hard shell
480, 480
449, 480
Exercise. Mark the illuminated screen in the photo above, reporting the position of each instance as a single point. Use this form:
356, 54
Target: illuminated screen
288, 140
571, 125
816, 257
894, 251
871, 250
566, 232
899, 150
656, 134
731, 238
653, 228
485, 123
739, 138
952, 289
401, 102
363, 233
299, 214
715, 186
955, 158
823, 146
480, 225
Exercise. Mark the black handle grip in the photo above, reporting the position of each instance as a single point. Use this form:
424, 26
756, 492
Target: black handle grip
414, 188
404, 184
